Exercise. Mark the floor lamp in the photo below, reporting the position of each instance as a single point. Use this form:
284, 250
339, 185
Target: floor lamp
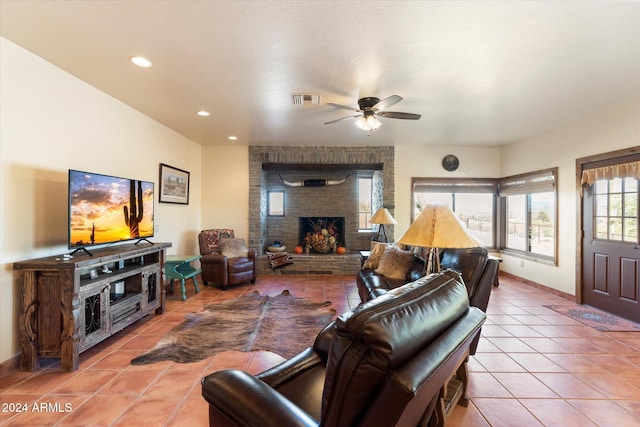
382, 217
438, 227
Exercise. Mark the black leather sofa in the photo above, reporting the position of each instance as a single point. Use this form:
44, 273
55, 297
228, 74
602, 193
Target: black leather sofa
479, 272
385, 363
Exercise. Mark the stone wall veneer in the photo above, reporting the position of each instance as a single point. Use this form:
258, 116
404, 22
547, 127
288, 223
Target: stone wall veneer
331, 201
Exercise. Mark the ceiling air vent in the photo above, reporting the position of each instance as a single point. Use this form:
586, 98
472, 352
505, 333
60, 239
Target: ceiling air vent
300, 99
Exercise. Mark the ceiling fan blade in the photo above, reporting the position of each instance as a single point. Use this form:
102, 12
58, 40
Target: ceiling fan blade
397, 115
344, 107
344, 118
387, 102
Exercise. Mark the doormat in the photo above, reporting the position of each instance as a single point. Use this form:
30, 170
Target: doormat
598, 319
282, 324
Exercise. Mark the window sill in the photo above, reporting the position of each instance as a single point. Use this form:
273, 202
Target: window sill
533, 258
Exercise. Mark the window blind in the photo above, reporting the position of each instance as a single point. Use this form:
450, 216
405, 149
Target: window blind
535, 182
454, 185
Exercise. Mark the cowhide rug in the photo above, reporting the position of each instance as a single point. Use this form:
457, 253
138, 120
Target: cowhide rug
282, 324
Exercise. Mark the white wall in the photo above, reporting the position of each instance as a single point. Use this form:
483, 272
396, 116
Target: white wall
412, 161
225, 188
50, 122
610, 130
607, 131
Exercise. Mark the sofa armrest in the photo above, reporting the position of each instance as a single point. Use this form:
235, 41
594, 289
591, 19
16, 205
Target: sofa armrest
291, 368
214, 259
482, 292
322, 344
238, 398
307, 359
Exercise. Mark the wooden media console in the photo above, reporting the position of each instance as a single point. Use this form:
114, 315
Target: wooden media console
69, 305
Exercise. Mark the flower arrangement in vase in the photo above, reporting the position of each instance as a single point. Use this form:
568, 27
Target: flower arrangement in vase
323, 238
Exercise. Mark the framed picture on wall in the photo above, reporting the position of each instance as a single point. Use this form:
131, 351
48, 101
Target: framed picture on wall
174, 185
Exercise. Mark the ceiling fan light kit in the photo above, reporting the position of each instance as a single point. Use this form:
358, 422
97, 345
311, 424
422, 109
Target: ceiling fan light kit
368, 123
370, 108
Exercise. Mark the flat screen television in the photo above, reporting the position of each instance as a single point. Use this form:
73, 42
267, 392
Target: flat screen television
105, 209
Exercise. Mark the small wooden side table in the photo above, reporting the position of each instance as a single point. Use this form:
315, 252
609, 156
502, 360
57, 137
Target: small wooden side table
364, 256
497, 282
178, 267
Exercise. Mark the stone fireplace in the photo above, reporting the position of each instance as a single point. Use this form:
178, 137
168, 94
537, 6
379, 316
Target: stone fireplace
276, 168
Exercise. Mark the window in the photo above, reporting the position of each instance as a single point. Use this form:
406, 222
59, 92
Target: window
473, 200
516, 237
528, 203
522, 220
275, 203
365, 208
616, 209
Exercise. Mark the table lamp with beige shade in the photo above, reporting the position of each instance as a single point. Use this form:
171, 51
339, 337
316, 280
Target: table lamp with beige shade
438, 227
382, 217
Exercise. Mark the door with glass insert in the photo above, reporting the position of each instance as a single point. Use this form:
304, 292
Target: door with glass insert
610, 247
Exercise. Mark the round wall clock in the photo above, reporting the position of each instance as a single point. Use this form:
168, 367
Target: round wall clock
450, 162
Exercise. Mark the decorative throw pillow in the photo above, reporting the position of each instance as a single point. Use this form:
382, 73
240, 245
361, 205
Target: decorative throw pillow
233, 248
395, 263
210, 239
377, 249
279, 260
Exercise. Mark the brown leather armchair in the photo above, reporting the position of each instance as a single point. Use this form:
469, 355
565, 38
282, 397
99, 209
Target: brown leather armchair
385, 363
221, 269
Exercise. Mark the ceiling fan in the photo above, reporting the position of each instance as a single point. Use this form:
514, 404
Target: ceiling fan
370, 109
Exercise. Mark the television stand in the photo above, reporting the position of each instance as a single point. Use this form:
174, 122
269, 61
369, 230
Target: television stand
82, 248
70, 305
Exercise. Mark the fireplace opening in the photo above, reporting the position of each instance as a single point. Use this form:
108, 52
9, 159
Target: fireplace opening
322, 233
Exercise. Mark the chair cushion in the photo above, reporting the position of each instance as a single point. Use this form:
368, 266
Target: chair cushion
395, 263
233, 248
239, 265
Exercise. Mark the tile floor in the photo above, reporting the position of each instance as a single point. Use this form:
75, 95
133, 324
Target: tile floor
533, 367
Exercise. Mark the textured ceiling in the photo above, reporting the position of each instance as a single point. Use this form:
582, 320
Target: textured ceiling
479, 72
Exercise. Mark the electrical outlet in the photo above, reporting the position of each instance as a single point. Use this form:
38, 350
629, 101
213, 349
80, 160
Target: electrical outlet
156, 228
521, 263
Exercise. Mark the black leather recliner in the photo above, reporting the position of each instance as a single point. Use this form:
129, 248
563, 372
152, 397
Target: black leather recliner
383, 363
479, 272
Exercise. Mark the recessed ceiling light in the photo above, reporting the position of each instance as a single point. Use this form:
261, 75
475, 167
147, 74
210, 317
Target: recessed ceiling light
233, 138
203, 113
141, 62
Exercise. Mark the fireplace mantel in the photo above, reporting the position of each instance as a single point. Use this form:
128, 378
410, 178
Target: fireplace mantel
322, 167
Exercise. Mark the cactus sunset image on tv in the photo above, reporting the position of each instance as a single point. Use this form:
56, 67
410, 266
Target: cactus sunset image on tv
105, 209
